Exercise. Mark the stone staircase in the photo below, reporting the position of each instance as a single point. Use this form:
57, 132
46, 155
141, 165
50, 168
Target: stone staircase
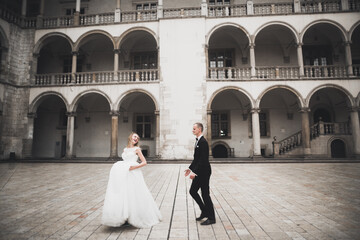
320, 133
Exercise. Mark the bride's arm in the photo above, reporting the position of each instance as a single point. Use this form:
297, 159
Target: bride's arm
142, 158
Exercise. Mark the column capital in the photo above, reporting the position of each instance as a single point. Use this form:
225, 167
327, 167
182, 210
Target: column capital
117, 51
157, 112
255, 110
75, 53
299, 44
32, 115
71, 114
209, 111
347, 43
114, 113
304, 110
252, 45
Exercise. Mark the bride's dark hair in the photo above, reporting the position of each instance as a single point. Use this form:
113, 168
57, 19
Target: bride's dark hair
130, 139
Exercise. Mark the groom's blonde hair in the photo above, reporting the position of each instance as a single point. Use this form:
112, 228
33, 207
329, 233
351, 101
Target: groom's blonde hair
200, 125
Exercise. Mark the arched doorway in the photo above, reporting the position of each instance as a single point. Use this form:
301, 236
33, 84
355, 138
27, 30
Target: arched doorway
220, 151
338, 149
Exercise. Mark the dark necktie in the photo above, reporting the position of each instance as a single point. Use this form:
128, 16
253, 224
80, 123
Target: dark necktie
196, 142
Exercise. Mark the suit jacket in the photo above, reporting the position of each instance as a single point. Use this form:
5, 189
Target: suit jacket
201, 165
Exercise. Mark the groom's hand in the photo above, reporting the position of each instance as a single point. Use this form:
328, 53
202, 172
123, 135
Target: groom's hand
192, 175
187, 172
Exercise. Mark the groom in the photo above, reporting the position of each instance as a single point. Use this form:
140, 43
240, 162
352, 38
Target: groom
200, 171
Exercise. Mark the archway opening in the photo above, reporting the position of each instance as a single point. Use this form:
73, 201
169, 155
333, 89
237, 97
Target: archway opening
50, 127
137, 114
338, 149
355, 50
220, 151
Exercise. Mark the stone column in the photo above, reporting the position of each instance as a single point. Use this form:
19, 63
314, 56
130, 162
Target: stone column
23, 8
70, 133
74, 65
355, 127
28, 140
300, 60
77, 13
344, 5
305, 131
114, 135
118, 11
157, 136
160, 9
252, 60
250, 7
33, 66
297, 6
42, 7
116, 63
348, 59
204, 8
256, 132
209, 132
39, 19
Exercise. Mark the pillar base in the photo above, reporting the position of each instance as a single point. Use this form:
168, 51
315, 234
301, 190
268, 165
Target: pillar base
114, 158
69, 157
257, 157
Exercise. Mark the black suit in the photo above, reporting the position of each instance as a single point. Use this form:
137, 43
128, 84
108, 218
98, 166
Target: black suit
201, 167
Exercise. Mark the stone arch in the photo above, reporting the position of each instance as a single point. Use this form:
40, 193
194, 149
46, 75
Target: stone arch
330, 147
221, 143
87, 34
357, 101
129, 31
137, 90
352, 29
286, 25
335, 24
228, 24
39, 99
346, 92
297, 94
3, 38
251, 100
43, 40
75, 102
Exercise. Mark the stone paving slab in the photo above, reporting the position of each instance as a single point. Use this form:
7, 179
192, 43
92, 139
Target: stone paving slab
252, 201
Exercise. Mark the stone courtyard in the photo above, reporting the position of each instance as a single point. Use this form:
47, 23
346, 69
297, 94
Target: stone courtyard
252, 201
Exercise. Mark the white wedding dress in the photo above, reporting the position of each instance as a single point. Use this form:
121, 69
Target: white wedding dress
128, 197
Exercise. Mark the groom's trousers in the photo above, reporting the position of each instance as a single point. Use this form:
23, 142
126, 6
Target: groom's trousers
205, 204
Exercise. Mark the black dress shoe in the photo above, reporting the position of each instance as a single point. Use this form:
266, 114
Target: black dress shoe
202, 216
208, 222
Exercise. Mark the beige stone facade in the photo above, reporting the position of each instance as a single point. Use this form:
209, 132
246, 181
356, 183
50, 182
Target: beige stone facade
267, 80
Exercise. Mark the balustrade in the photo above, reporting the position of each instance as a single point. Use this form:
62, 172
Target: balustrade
182, 12
138, 75
356, 70
61, 21
290, 143
321, 6
94, 77
143, 15
52, 79
273, 8
94, 19
354, 5
229, 73
277, 72
330, 71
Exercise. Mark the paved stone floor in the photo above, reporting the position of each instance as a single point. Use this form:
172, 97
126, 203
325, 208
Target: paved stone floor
252, 201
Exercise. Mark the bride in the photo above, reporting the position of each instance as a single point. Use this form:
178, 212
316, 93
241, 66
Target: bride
127, 198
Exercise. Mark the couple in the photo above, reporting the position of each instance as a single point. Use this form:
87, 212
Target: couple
129, 201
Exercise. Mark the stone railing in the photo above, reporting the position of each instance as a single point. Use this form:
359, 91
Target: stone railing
277, 72
143, 15
273, 8
356, 69
354, 5
101, 77
147, 75
287, 144
320, 6
61, 21
95, 19
229, 73
227, 10
330, 71
9, 16
52, 79
182, 12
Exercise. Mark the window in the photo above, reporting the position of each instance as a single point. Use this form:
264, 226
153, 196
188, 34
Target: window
147, 60
146, 6
219, 2
221, 58
143, 125
220, 125
264, 124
